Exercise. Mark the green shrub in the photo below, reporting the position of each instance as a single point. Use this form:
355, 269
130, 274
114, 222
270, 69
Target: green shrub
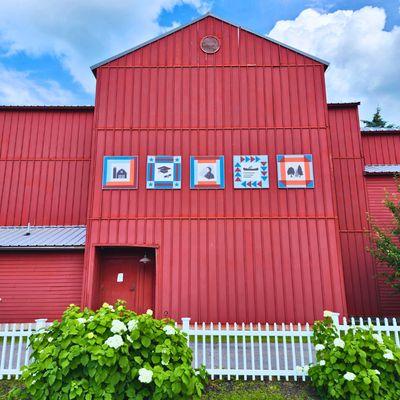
359, 365
110, 354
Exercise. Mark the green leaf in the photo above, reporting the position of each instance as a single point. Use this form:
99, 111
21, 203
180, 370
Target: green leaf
138, 360
176, 387
145, 341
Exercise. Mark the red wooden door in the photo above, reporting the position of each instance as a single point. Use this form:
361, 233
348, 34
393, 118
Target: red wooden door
123, 277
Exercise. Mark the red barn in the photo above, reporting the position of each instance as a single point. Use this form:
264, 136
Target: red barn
81, 222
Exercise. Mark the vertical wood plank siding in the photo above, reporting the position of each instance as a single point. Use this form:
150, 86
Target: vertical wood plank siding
44, 166
382, 149
226, 255
352, 207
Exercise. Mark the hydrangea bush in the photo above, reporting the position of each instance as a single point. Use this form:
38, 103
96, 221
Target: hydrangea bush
110, 354
360, 364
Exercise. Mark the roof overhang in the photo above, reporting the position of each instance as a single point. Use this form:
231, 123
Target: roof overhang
45, 108
382, 169
344, 105
108, 60
42, 248
380, 131
42, 237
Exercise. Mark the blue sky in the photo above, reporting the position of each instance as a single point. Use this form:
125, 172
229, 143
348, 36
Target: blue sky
47, 47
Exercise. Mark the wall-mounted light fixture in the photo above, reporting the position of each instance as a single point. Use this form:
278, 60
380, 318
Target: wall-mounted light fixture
145, 259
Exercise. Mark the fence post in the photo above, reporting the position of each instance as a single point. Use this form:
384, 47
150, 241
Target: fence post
40, 323
186, 328
335, 320
186, 325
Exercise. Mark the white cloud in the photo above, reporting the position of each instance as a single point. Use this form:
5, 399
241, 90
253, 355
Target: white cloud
364, 56
20, 88
82, 32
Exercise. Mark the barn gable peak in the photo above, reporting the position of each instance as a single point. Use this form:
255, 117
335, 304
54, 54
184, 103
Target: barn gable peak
117, 56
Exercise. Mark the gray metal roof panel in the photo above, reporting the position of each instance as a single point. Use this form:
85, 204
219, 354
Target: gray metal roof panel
106, 61
43, 236
379, 130
382, 169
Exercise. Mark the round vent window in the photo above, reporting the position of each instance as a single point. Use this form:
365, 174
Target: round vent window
209, 44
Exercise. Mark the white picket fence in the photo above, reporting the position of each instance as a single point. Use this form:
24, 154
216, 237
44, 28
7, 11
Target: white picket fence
14, 347
253, 351
263, 350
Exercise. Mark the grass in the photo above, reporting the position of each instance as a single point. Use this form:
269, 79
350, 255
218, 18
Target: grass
259, 390
5, 387
232, 390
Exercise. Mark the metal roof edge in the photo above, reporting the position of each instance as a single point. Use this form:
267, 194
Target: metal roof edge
29, 248
4, 107
40, 226
209, 14
380, 131
344, 104
381, 169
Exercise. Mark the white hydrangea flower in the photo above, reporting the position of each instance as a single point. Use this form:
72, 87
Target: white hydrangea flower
108, 306
322, 363
81, 320
197, 372
118, 326
319, 347
349, 376
132, 325
299, 369
328, 314
169, 330
114, 341
149, 312
339, 343
376, 372
91, 318
378, 338
306, 368
145, 375
388, 355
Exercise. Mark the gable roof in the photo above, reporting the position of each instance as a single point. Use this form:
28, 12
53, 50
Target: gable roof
106, 61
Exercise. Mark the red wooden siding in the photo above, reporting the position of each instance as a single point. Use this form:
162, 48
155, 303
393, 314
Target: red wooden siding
38, 284
227, 255
381, 148
352, 207
44, 165
377, 188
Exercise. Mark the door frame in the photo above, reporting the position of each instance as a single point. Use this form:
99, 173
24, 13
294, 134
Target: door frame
91, 285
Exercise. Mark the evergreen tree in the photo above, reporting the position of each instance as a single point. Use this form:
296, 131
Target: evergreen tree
377, 121
386, 243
